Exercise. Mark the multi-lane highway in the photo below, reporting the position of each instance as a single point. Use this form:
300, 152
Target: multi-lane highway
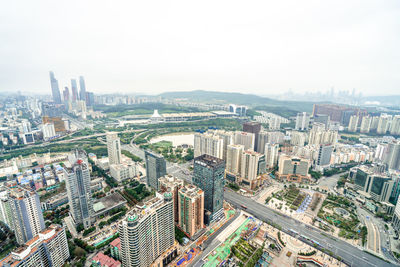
352, 255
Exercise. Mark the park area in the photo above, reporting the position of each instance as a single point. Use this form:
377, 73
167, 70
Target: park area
339, 213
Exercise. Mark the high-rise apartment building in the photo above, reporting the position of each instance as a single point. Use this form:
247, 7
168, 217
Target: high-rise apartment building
320, 136
227, 138
78, 189
271, 155
233, 159
156, 167
66, 94
255, 128
269, 137
366, 124
26, 214
208, 143
147, 231
245, 139
297, 138
353, 123
252, 165
374, 123
113, 148
82, 86
396, 217
395, 126
383, 123
302, 121
391, 155
55, 90
208, 175
74, 89
48, 248
171, 184
191, 209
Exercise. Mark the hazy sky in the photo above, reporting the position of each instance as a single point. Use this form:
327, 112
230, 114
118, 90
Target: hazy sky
263, 47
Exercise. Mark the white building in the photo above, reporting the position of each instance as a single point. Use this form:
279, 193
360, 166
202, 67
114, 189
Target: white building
123, 171
302, 121
233, 159
271, 155
384, 123
366, 124
48, 131
353, 123
245, 139
208, 143
147, 231
113, 148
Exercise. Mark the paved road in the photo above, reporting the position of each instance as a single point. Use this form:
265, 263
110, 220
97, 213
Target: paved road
352, 255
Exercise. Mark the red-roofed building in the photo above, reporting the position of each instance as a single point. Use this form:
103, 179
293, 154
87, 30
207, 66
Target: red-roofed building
115, 248
101, 260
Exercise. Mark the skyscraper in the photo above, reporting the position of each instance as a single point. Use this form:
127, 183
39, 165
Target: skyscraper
113, 148
191, 209
324, 155
26, 214
255, 128
82, 86
209, 176
365, 124
271, 155
78, 189
353, 123
156, 167
253, 164
55, 90
147, 231
66, 94
171, 184
74, 89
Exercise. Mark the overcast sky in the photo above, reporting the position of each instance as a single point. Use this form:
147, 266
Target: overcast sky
263, 47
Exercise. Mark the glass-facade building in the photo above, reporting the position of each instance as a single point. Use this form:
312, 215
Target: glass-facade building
156, 167
209, 176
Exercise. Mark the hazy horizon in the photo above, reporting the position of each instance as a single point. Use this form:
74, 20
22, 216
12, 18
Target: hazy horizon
257, 47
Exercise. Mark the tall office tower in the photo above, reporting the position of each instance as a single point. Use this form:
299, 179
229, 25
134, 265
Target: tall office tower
169, 183
26, 214
302, 121
82, 93
395, 126
245, 139
374, 123
208, 175
365, 124
391, 156
271, 155
324, 155
208, 143
379, 186
78, 189
233, 158
147, 232
255, 128
191, 209
383, 124
55, 89
353, 123
66, 94
48, 248
74, 89
113, 148
156, 167
227, 138
297, 138
252, 165
89, 99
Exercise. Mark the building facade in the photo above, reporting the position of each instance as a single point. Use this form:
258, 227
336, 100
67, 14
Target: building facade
156, 167
191, 209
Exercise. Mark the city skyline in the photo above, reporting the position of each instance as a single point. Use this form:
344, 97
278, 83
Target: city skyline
254, 49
